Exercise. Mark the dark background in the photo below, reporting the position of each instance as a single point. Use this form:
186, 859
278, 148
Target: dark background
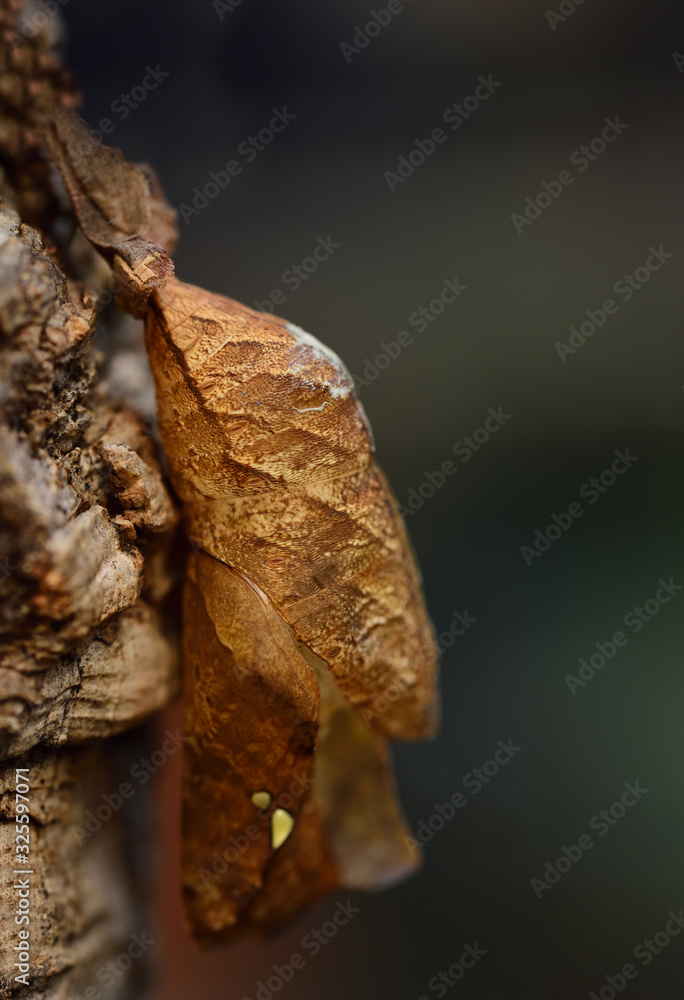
504, 678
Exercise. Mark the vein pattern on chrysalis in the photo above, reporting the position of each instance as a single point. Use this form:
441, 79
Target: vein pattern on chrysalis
302, 613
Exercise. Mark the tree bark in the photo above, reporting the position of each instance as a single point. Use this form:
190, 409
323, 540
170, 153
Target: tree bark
87, 646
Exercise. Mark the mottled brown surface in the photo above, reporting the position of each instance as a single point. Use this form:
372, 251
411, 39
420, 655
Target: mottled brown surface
251, 718
302, 601
85, 652
80, 894
86, 648
119, 206
33, 84
304, 581
272, 454
70, 566
255, 722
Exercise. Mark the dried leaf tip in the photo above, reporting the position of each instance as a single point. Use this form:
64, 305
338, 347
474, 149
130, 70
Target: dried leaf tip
119, 206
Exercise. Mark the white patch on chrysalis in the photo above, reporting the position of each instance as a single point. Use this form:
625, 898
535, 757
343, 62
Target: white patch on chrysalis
325, 354
336, 391
310, 409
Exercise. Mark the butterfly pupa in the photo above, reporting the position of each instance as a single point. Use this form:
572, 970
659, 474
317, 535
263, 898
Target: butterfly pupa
306, 639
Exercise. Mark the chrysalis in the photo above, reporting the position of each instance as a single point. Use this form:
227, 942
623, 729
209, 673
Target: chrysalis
306, 640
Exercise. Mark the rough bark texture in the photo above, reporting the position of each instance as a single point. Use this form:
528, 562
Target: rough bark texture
307, 642
86, 525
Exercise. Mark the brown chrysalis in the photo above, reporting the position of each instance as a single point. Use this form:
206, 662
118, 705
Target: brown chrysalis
306, 639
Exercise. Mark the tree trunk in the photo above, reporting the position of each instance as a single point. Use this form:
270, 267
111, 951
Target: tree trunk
87, 648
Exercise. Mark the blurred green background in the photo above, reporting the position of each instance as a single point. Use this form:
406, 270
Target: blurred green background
323, 176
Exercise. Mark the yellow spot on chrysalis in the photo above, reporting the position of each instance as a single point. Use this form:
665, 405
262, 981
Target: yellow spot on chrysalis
262, 800
281, 828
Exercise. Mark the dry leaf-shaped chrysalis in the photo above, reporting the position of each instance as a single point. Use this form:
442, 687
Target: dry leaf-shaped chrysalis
306, 641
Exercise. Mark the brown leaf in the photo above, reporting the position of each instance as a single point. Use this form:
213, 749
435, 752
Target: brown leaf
119, 206
263, 717
304, 611
251, 721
